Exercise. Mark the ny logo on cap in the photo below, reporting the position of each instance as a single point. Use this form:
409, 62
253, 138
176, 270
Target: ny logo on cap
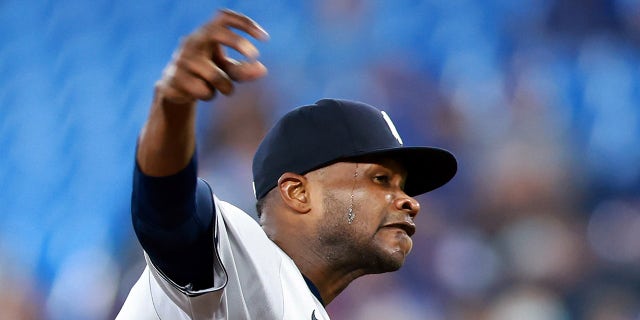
391, 126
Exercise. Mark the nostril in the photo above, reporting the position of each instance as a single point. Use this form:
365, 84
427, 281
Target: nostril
413, 207
408, 205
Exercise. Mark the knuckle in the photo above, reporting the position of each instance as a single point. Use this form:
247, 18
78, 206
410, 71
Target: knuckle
182, 63
190, 42
199, 90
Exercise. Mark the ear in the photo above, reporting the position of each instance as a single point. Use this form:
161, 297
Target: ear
294, 192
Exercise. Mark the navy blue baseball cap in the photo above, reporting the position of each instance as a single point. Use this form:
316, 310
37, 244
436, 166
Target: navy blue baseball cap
331, 130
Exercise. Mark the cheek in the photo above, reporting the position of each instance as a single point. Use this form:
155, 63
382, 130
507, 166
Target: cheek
371, 211
388, 198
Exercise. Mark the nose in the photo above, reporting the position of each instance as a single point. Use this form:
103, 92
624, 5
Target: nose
408, 205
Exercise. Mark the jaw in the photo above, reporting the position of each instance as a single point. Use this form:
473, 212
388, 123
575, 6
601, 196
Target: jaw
392, 247
396, 240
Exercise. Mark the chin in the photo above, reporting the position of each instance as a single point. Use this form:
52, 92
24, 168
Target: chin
387, 261
397, 260
395, 266
390, 266
389, 253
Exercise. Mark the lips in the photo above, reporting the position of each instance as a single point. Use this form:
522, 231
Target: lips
407, 226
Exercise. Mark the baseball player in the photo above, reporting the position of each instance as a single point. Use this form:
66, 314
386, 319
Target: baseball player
334, 186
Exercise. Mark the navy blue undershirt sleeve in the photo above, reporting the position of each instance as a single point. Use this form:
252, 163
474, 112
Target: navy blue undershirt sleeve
174, 228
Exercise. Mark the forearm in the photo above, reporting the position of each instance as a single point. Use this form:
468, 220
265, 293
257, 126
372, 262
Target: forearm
167, 141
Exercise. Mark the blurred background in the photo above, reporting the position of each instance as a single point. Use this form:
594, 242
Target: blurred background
539, 100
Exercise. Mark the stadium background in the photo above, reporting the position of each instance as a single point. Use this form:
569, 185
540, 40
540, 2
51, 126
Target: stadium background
538, 99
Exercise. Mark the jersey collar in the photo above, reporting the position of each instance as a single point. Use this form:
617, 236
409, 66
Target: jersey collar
313, 289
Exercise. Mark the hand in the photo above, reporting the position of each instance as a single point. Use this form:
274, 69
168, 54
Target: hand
200, 66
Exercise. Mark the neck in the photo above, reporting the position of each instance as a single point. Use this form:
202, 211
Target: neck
329, 279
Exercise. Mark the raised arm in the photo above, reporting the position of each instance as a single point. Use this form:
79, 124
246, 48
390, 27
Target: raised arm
199, 69
174, 229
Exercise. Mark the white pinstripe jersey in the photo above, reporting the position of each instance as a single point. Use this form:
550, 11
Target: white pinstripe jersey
253, 279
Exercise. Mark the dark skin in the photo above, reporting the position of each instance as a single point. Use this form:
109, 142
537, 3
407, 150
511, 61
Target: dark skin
305, 215
307, 218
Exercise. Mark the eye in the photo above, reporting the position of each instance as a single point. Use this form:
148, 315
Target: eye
381, 178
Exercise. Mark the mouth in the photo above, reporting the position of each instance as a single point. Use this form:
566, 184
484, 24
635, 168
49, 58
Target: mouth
408, 227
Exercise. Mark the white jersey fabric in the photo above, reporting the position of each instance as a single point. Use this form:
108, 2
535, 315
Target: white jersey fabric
253, 279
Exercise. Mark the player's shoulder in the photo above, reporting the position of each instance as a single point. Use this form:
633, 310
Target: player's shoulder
230, 211
221, 207
233, 220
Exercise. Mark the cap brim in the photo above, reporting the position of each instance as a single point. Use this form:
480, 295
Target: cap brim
427, 168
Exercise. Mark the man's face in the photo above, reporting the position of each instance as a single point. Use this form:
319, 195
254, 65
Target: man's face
378, 237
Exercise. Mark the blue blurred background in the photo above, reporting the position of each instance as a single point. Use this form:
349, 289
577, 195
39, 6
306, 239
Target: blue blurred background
538, 100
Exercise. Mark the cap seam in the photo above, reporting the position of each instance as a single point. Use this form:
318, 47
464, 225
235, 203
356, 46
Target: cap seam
348, 129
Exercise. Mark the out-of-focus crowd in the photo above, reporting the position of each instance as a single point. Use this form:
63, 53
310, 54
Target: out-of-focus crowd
539, 100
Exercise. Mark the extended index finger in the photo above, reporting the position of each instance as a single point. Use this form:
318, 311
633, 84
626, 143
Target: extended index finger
241, 22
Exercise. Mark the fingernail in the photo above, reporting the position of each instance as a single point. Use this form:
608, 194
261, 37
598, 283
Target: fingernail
265, 34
